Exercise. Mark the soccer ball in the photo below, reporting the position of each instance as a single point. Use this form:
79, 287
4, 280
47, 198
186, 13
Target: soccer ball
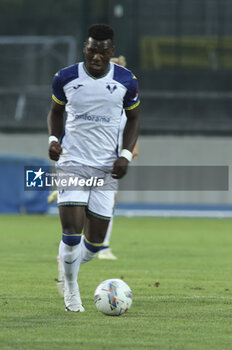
113, 297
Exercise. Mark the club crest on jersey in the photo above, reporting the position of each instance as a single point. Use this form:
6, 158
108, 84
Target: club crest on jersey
111, 87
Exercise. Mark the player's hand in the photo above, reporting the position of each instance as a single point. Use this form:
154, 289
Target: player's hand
120, 168
54, 150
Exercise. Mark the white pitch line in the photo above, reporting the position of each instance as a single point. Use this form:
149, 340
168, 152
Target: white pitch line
174, 213
165, 213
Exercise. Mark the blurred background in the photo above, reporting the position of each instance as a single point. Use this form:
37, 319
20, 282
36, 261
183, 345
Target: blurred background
181, 52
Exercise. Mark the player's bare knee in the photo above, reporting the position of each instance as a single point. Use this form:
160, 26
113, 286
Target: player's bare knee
96, 230
71, 228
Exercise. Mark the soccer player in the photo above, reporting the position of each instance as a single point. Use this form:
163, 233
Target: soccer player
105, 252
94, 94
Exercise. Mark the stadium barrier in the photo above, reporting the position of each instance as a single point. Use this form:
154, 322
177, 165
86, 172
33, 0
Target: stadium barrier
14, 199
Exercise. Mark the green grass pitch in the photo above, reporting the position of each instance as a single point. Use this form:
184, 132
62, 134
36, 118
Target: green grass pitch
180, 272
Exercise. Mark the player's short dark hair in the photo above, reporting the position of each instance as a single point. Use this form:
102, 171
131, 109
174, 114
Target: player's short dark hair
101, 32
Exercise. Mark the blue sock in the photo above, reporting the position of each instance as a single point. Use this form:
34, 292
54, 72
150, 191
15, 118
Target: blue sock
71, 239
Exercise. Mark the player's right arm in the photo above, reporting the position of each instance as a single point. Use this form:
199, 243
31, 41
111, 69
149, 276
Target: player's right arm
55, 128
56, 116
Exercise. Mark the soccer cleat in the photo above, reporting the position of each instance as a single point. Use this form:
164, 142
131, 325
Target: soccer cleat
106, 255
60, 279
72, 301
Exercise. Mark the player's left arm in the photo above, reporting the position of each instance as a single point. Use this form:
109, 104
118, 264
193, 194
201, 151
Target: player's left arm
131, 130
130, 136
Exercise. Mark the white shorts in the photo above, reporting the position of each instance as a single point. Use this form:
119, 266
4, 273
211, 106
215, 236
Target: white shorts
98, 201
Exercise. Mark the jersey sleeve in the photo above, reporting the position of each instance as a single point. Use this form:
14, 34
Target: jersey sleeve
131, 99
58, 94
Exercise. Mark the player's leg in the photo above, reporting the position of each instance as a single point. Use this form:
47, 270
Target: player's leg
94, 234
72, 220
106, 242
99, 214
